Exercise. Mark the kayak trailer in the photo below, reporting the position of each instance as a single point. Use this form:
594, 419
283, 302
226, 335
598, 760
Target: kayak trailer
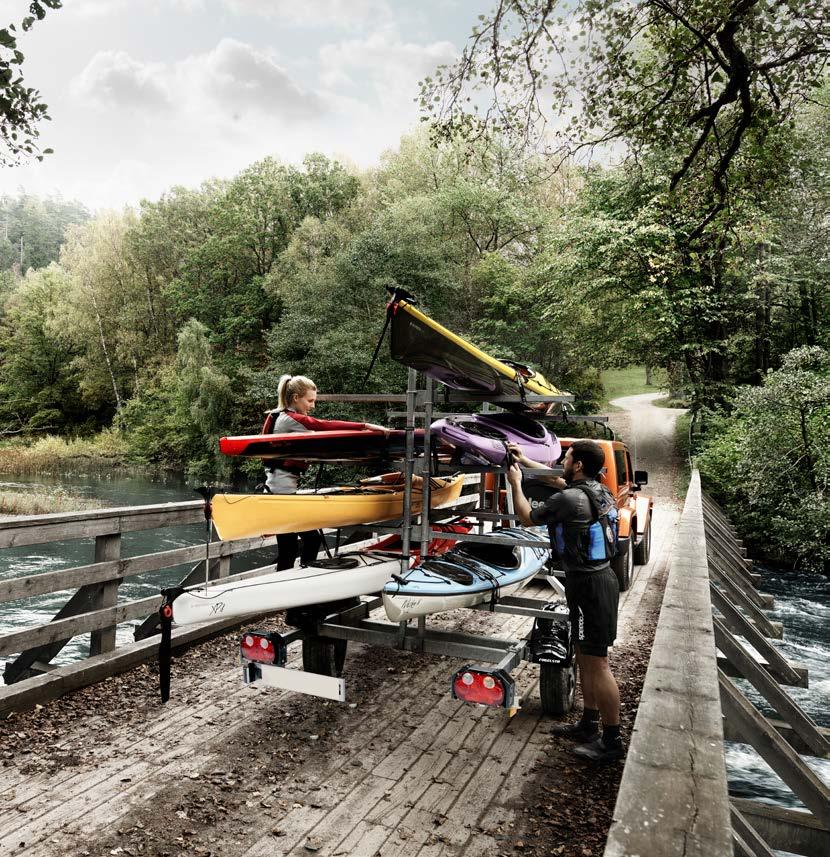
485, 679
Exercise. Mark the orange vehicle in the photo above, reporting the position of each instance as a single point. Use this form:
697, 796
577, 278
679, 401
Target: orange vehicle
635, 508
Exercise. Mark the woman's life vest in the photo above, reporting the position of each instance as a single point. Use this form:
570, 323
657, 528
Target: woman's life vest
590, 543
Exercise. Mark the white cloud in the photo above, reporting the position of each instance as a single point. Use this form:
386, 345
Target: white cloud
236, 77
232, 79
113, 78
347, 14
393, 66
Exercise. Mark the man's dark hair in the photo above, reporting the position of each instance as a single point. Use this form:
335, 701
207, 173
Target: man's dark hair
590, 453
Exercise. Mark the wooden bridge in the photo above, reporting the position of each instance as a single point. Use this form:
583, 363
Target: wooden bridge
402, 769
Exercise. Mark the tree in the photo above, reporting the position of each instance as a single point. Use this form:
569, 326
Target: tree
701, 79
20, 106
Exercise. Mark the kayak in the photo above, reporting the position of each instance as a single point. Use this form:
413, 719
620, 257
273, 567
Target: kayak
344, 445
239, 516
421, 343
471, 573
346, 575
483, 438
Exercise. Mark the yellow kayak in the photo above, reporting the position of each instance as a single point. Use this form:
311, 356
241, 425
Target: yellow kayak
421, 343
239, 516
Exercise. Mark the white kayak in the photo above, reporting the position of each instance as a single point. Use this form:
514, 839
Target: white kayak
347, 575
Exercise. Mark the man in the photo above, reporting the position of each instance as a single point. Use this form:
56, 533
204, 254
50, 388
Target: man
591, 588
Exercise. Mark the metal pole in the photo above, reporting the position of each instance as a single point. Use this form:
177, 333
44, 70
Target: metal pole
408, 467
426, 470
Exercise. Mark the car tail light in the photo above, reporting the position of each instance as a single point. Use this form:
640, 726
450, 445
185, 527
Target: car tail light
262, 647
483, 685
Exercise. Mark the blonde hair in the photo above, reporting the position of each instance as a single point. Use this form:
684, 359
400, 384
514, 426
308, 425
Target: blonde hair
290, 387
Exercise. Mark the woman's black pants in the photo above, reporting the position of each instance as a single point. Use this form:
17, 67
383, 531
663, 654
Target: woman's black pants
288, 546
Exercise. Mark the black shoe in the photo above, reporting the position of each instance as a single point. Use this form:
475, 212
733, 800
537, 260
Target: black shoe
597, 751
583, 730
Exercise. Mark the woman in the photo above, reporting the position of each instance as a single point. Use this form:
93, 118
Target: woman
296, 399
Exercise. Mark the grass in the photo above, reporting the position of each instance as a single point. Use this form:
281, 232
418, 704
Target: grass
629, 381
681, 444
51, 454
15, 501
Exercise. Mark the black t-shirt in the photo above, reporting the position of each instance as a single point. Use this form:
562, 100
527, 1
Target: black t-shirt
570, 506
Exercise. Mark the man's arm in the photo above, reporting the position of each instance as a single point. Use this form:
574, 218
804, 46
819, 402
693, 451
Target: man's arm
529, 464
520, 502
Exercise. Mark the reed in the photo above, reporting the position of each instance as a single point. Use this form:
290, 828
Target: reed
51, 454
25, 502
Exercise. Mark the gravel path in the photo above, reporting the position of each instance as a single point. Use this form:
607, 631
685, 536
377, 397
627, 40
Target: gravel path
401, 769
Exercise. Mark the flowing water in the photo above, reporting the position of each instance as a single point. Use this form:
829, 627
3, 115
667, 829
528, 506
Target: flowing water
117, 491
802, 603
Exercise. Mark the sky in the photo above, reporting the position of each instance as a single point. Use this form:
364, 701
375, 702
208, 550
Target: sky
148, 94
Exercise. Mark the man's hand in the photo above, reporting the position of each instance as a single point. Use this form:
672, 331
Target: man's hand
518, 456
514, 477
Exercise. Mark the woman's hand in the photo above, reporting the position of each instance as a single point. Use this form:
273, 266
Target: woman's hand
373, 427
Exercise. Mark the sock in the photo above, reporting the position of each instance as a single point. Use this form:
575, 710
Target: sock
590, 715
611, 735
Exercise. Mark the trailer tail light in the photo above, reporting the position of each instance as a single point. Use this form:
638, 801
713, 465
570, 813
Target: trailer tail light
262, 647
484, 685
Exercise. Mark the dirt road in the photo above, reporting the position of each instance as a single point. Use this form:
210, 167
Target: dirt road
401, 769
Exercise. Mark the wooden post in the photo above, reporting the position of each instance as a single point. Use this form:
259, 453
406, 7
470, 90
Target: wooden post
107, 547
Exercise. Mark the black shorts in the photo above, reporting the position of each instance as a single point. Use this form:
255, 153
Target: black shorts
593, 601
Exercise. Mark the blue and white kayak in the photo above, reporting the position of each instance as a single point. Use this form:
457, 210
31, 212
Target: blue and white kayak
471, 573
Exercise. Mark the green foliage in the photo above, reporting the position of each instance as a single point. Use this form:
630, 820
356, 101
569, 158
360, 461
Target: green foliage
769, 460
20, 106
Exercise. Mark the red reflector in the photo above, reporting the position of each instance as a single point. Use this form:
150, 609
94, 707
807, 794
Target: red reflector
258, 647
480, 688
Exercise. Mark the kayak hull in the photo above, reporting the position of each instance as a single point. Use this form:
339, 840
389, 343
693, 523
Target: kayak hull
421, 343
469, 574
239, 516
350, 574
350, 445
482, 438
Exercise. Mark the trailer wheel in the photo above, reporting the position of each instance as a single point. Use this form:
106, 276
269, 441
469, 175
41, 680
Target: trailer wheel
622, 566
557, 688
643, 550
324, 656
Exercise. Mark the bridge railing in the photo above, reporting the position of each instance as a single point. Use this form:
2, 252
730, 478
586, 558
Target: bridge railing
94, 607
674, 798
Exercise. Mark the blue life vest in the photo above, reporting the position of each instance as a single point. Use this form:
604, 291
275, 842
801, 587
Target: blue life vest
596, 542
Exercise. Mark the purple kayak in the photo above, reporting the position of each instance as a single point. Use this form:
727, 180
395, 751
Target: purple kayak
482, 438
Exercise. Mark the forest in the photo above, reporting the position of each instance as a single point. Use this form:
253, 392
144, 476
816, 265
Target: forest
703, 252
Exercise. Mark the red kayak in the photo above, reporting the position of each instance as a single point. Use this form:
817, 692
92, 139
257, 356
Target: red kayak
350, 445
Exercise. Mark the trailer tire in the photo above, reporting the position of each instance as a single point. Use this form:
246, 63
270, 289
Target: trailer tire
557, 688
643, 550
324, 656
623, 564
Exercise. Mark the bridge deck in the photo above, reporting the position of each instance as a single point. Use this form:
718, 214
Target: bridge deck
402, 769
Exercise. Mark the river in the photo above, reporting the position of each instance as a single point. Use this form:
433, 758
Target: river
802, 603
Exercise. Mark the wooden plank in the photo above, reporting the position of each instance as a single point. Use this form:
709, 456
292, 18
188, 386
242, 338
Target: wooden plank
760, 599
738, 597
769, 688
107, 549
70, 578
83, 623
37, 529
737, 623
786, 829
26, 694
775, 751
673, 795
748, 842
733, 672
730, 733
